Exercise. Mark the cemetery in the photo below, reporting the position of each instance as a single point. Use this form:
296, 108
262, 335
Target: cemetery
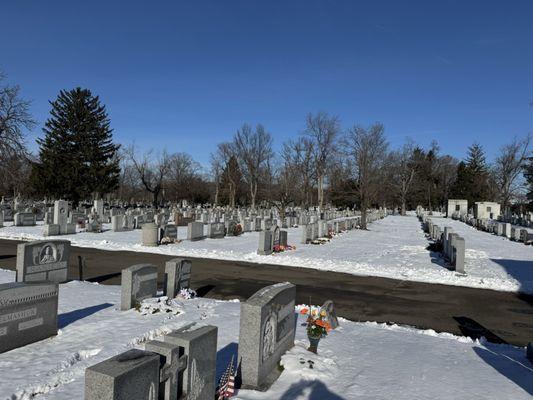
266, 201
147, 354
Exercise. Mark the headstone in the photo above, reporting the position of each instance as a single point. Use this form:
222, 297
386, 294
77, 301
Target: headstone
178, 276
43, 260
275, 236
267, 329
306, 234
459, 255
265, 243
195, 231
170, 375
200, 347
51, 230
24, 219
61, 215
331, 315
117, 223
529, 351
139, 282
216, 230
133, 375
28, 313
170, 231
1, 218
283, 238
150, 234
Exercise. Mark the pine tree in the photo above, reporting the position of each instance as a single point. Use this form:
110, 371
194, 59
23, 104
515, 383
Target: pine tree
77, 156
473, 177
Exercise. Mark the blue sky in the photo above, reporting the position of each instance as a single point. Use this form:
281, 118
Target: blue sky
185, 76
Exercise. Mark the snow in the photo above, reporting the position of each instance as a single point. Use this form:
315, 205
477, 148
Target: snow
356, 361
394, 247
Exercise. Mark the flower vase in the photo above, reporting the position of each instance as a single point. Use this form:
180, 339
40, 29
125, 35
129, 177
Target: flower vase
313, 344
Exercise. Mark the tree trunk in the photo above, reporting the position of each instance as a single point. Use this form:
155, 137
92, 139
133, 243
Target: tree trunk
253, 194
320, 191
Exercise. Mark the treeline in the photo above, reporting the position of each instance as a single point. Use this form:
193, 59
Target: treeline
324, 164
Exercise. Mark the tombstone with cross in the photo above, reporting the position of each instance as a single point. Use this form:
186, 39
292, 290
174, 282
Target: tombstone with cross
175, 362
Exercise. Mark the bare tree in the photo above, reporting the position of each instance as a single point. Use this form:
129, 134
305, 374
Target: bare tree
216, 170
182, 174
508, 167
15, 120
254, 149
300, 155
151, 170
323, 130
403, 172
367, 150
231, 173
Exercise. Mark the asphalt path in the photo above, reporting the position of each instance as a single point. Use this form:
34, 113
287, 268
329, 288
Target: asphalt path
500, 316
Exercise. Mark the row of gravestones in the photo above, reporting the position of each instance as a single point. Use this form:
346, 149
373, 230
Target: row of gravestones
323, 229
504, 229
183, 364
452, 245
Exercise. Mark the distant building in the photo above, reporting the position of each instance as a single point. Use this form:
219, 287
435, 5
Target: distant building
457, 208
486, 210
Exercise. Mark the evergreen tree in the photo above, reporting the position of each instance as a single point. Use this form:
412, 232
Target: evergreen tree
473, 177
77, 156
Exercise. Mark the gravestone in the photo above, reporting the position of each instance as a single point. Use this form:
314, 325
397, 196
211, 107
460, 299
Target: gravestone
265, 243
230, 227
117, 223
331, 315
267, 329
24, 219
51, 230
529, 351
195, 231
1, 218
150, 234
170, 375
170, 231
200, 346
178, 276
216, 230
139, 221
43, 260
275, 236
61, 215
139, 282
459, 255
28, 313
133, 375
283, 238
306, 234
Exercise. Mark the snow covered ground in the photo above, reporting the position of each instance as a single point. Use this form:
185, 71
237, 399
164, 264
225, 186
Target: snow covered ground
394, 247
356, 361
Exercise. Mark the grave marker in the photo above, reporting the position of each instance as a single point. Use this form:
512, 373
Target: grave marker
178, 276
43, 260
139, 282
28, 313
267, 329
200, 346
133, 375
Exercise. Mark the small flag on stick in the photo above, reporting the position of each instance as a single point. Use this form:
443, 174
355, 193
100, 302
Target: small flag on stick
226, 385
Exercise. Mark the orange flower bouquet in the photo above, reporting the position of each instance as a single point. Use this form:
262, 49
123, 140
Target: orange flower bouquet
317, 326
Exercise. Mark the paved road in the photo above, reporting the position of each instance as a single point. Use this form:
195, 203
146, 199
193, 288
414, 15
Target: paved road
503, 317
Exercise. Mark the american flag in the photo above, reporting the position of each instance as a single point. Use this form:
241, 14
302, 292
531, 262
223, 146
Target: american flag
226, 385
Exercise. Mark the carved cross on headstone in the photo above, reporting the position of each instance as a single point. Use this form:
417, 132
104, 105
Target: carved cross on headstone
175, 363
